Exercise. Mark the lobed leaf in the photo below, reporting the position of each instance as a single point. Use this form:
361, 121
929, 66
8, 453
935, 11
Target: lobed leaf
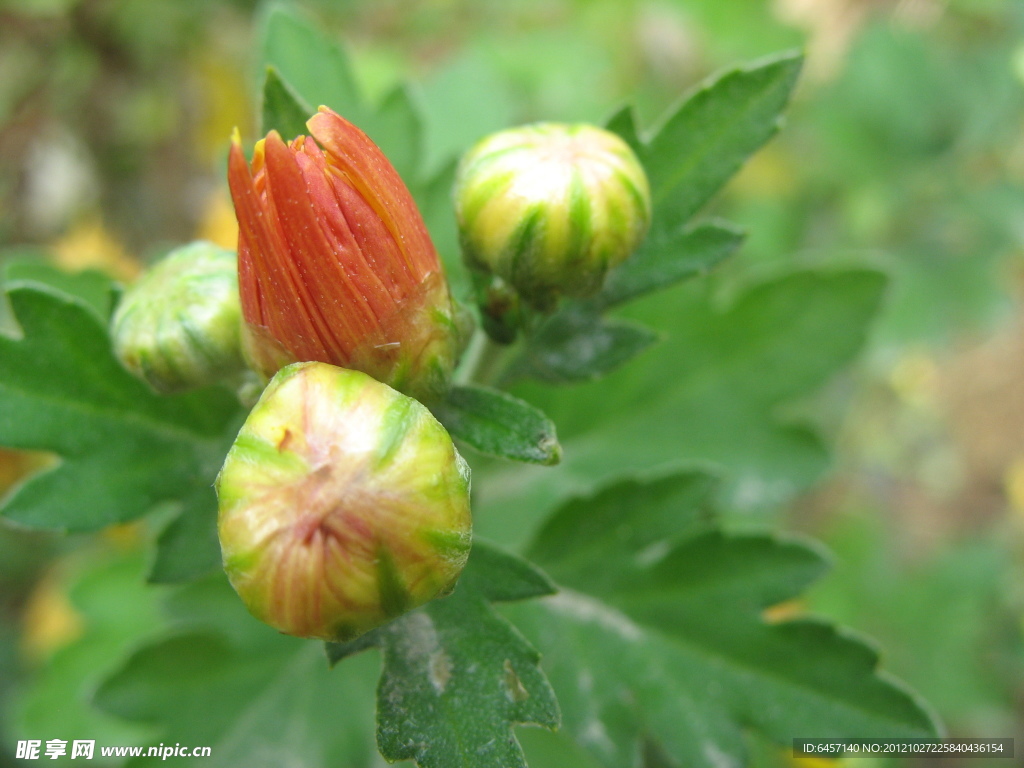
659, 634
123, 449
711, 392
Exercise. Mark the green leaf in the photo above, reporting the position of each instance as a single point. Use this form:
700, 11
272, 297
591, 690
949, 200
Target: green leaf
498, 424
283, 110
946, 607
188, 547
90, 285
312, 64
214, 676
123, 449
310, 69
578, 345
658, 265
705, 140
115, 610
397, 128
434, 198
659, 634
624, 124
710, 393
457, 676
463, 102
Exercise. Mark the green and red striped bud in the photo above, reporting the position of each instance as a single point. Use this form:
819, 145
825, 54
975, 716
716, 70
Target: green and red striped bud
178, 327
335, 262
343, 503
550, 208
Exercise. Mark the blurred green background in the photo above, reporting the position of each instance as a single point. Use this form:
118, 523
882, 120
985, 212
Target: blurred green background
904, 150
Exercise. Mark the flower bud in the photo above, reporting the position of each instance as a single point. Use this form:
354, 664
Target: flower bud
550, 208
343, 503
178, 327
335, 262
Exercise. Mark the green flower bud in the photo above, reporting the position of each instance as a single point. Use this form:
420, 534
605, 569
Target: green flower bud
179, 326
343, 504
550, 208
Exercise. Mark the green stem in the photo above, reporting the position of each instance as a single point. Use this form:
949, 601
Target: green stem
482, 362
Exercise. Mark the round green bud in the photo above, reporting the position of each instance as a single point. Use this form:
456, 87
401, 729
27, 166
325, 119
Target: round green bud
343, 503
179, 326
550, 208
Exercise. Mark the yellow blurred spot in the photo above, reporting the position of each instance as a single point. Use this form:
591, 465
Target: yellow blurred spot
219, 224
769, 173
124, 537
1013, 482
814, 762
90, 246
783, 611
223, 93
915, 379
14, 465
50, 621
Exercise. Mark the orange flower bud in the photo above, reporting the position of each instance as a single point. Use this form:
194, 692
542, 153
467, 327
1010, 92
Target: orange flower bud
335, 263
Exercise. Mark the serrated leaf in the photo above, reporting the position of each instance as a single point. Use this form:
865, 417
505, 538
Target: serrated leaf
658, 634
217, 677
705, 140
457, 676
283, 110
710, 392
123, 449
497, 424
658, 265
579, 345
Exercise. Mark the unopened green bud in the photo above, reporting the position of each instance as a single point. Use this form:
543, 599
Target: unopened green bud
179, 326
343, 504
550, 208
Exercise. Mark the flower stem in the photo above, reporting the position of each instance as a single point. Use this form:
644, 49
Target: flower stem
482, 362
